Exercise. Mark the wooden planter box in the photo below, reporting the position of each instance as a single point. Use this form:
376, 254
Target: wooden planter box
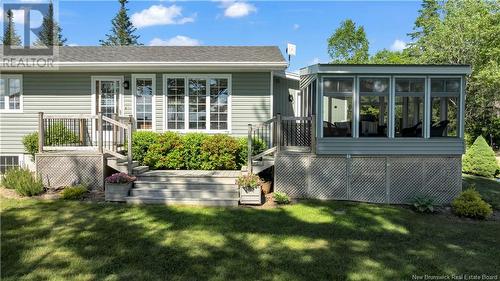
117, 191
250, 196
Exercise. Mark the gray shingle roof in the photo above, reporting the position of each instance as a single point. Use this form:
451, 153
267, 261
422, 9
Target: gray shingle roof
171, 54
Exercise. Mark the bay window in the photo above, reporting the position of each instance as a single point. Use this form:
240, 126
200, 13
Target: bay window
144, 101
337, 107
409, 107
373, 109
207, 99
445, 107
10, 92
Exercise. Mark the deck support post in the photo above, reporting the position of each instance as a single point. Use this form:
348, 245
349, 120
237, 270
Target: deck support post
81, 126
129, 144
100, 134
250, 145
313, 134
279, 133
41, 132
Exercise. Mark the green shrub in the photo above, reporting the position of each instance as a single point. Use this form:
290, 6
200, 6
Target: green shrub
480, 159
258, 146
76, 192
166, 152
192, 150
281, 198
219, 152
30, 142
470, 204
23, 181
423, 204
141, 140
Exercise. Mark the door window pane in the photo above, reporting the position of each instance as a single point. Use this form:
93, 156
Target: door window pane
144, 103
218, 104
197, 104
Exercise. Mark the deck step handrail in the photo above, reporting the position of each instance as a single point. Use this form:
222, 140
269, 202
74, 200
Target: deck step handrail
86, 132
280, 131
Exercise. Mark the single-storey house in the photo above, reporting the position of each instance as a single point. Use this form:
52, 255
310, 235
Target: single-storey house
376, 133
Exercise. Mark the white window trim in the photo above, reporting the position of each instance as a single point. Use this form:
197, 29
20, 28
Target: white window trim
20, 159
7, 89
186, 101
323, 94
121, 104
153, 102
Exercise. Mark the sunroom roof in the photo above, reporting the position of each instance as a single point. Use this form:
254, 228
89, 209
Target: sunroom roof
407, 69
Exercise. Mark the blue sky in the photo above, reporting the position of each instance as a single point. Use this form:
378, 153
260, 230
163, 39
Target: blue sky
304, 23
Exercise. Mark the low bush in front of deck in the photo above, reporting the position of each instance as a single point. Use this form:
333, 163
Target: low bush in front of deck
192, 151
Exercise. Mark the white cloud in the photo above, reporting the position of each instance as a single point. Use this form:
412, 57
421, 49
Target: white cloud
18, 17
178, 40
73, 45
160, 15
237, 9
398, 45
296, 26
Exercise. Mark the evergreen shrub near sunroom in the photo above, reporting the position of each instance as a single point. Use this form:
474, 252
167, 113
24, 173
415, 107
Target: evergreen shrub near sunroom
470, 204
192, 151
480, 159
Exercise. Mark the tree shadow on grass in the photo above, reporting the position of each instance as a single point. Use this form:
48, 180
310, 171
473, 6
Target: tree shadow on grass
311, 241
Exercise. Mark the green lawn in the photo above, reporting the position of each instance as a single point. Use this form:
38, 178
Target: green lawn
58, 240
489, 189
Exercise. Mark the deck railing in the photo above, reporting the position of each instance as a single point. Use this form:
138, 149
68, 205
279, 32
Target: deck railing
86, 132
281, 132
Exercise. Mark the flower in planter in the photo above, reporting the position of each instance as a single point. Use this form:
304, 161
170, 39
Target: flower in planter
250, 181
120, 178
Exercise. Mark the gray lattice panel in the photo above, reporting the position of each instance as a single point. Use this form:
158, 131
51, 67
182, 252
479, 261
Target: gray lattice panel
407, 178
442, 178
291, 174
58, 170
328, 178
368, 179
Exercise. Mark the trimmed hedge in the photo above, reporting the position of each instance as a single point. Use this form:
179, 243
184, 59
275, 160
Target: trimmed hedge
192, 151
480, 159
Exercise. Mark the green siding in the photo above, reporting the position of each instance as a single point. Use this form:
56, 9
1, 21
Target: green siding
282, 88
70, 93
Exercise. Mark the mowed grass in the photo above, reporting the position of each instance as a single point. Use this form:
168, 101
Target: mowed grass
61, 240
488, 188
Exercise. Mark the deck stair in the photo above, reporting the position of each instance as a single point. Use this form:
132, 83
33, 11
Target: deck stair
207, 188
120, 165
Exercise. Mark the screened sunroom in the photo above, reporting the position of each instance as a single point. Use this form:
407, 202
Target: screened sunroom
386, 109
383, 133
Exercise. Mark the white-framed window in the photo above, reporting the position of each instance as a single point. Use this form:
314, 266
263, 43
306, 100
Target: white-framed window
338, 106
198, 102
445, 106
144, 97
409, 106
374, 106
11, 93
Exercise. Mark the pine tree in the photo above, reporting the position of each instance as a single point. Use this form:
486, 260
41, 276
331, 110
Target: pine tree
122, 32
10, 37
51, 33
427, 20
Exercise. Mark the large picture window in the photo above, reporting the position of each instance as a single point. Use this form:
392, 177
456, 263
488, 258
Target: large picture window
10, 92
207, 99
144, 97
409, 107
445, 107
373, 109
337, 107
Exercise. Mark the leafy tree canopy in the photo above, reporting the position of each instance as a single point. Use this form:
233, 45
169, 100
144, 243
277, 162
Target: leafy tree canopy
348, 44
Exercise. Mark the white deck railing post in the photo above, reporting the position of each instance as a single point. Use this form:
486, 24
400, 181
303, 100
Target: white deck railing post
313, 134
279, 133
100, 134
250, 146
41, 132
129, 146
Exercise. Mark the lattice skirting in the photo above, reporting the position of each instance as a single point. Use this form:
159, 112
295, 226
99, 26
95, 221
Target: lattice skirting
377, 179
59, 169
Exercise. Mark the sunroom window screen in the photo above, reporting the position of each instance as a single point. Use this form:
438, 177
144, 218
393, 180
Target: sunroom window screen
409, 107
374, 96
337, 107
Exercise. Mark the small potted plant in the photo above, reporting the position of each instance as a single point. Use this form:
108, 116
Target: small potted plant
117, 187
250, 189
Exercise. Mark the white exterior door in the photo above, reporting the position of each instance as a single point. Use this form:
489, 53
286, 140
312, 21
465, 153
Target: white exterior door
107, 99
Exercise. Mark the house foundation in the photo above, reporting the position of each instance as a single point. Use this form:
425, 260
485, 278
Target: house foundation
394, 179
